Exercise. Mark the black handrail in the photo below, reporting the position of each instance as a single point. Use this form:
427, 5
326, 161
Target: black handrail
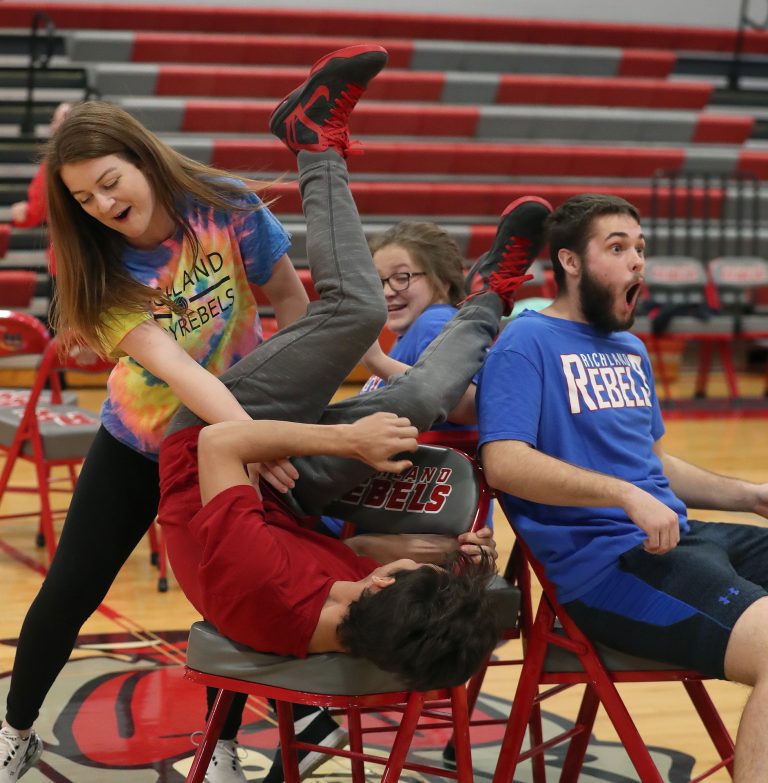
745, 23
36, 62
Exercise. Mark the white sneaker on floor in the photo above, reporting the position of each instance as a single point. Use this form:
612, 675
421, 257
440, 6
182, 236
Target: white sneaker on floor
224, 766
17, 755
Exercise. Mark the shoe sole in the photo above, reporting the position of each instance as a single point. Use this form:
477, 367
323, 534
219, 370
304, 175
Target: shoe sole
287, 105
33, 760
523, 200
336, 739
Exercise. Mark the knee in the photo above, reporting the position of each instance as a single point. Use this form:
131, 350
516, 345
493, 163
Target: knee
368, 315
745, 659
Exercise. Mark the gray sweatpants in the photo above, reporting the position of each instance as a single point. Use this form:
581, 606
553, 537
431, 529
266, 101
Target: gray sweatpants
293, 375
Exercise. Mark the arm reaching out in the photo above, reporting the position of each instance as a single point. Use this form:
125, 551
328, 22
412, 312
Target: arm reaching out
203, 393
224, 449
517, 468
700, 488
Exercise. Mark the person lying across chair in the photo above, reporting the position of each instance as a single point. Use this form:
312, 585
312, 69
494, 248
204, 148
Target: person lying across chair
243, 560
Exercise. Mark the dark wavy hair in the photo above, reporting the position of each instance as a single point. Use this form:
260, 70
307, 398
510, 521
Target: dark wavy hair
570, 225
433, 627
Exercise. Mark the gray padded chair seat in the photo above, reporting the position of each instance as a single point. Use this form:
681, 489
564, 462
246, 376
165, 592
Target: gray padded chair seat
12, 397
337, 674
66, 435
325, 673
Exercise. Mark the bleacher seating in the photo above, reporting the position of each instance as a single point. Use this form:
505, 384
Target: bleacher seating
470, 113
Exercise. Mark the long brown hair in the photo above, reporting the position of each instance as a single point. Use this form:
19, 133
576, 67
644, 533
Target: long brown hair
91, 279
433, 249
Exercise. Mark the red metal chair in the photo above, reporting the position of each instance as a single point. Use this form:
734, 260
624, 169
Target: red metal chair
558, 654
737, 282
678, 289
342, 681
38, 425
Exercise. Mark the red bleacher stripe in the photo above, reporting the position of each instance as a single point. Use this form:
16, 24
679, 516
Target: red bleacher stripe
249, 49
722, 129
639, 62
468, 158
753, 162
598, 91
443, 199
382, 119
233, 81
377, 25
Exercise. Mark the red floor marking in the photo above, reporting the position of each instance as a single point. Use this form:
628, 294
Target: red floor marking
173, 653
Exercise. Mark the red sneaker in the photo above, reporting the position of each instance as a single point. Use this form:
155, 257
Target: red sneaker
315, 115
519, 238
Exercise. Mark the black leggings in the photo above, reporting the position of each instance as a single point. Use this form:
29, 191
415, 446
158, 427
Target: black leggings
113, 505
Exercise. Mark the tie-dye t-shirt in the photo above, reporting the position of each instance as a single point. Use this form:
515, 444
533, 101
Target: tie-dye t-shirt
221, 324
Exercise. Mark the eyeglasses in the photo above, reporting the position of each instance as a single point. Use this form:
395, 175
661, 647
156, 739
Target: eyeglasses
400, 280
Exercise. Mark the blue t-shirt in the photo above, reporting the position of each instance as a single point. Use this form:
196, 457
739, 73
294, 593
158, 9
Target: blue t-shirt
587, 399
413, 342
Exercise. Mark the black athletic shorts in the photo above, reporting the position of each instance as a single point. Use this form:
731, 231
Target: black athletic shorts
679, 607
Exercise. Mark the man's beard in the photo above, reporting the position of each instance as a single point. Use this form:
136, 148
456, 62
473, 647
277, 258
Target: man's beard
597, 302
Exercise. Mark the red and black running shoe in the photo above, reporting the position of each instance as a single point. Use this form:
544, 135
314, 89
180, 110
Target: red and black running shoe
519, 239
315, 116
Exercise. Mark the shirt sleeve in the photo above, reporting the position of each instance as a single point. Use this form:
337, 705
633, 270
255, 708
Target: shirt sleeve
115, 325
508, 398
262, 240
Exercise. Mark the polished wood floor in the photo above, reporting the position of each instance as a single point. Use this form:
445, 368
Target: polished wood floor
732, 446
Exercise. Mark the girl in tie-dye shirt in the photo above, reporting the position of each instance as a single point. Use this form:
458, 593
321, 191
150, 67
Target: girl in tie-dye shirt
155, 255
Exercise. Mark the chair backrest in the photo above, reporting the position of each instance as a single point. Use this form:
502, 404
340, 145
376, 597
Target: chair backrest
737, 278
444, 492
21, 334
673, 280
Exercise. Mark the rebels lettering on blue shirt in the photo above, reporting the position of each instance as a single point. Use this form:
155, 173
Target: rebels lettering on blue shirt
605, 381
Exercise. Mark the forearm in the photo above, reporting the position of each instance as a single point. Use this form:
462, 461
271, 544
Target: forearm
518, 469
698, 488
206, 396
224, 449
385, 367
290, 309
386, 548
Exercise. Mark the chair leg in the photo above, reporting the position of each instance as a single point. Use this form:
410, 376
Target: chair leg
712, 721
702, 377
403, 738
46, 517
726, 357
622, 721
523, 703
577, 748
473, 692
536, 735
162, 561
212, 731
355, 728
461, 743
287, 742
662, 374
